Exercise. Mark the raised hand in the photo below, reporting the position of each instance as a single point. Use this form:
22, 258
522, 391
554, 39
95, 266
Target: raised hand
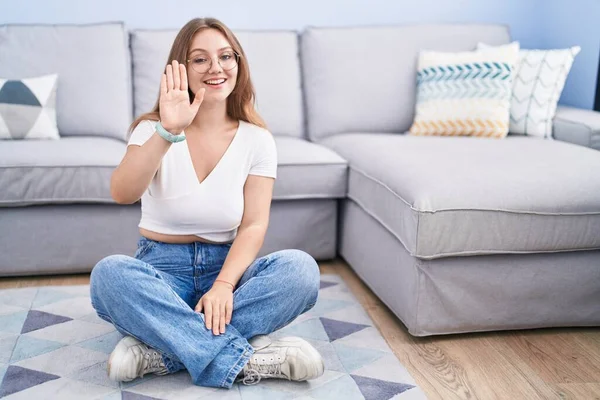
176, 112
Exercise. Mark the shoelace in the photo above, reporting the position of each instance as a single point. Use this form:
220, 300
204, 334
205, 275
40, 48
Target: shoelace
152, 361
253, 375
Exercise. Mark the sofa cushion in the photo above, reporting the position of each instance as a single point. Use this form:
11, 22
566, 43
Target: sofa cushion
78, 170
348, 89
451, 196
94, 86
274, 68
308, 170
69, 170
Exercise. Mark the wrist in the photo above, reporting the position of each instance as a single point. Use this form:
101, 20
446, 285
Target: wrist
225, 283
167, 134
171, 129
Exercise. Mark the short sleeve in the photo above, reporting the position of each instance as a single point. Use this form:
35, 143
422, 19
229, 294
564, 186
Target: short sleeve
264, 162
142, 132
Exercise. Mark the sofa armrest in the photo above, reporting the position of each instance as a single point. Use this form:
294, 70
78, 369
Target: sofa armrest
578, 126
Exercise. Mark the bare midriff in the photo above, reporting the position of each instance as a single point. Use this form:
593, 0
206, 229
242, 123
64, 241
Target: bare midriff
176, 239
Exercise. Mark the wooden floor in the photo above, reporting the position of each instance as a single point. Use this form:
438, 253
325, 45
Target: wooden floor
538, 364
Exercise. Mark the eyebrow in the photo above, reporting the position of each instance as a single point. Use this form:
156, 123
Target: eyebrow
221, 49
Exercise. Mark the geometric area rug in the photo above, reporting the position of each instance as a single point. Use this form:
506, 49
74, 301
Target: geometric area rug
53, 346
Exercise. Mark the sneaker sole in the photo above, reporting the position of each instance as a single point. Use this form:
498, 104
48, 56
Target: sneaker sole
116, 358
311, 351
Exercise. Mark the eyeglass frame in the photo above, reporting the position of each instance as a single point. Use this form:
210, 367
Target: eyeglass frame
237, 62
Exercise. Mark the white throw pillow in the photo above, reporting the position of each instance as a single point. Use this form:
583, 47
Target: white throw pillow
540, 77
464, 93
28, 108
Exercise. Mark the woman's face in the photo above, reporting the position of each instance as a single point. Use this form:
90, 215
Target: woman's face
212, 65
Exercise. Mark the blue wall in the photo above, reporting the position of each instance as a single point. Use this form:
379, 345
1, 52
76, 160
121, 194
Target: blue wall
535, 23
569, 23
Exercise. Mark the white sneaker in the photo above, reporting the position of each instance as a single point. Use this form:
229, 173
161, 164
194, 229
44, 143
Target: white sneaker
132, 359
290, 358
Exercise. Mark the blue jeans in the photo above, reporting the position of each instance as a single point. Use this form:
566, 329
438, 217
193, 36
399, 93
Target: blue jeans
152, 296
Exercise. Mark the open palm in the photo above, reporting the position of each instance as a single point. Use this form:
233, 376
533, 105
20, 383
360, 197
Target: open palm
176, 112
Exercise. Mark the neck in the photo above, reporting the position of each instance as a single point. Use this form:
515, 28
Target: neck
211, 117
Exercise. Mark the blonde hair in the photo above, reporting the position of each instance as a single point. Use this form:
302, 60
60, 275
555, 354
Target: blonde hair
240, 103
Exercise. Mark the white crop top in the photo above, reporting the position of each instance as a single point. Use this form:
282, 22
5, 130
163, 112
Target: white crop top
176, 203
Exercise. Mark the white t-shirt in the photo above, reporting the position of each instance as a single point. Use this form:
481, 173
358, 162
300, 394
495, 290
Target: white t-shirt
177, 203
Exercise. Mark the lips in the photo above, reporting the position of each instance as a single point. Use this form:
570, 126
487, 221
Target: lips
215, 82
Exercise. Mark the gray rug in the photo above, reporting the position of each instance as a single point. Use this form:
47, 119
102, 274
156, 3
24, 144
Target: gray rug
53, 346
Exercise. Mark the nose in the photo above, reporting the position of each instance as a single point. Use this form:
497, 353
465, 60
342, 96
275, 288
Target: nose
215, 67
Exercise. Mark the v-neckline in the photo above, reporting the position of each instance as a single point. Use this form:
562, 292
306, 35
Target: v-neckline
212, 171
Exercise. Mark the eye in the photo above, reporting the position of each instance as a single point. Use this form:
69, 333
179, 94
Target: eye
226, 56
199, 60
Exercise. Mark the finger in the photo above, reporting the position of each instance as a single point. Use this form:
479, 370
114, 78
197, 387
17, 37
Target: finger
183, 73
208, 314
169, 78
163, 85
222, 319
176, 78
228, 312
216, 318
199, 306
198, 99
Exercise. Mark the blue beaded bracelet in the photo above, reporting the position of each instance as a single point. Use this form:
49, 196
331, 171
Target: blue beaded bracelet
168, 135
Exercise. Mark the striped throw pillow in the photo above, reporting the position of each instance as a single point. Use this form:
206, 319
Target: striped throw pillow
465, 93
539, 79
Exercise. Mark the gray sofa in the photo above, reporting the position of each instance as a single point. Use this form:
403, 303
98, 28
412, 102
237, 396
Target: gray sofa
453, 234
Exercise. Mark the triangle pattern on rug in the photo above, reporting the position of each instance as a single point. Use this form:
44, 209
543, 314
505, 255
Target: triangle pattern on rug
13, 323
375, 389
28, 347
353, 358
326, 306
136, 396
40, 319
309, 329
342, 388
339, 329
325, 284
18, 378
3, 369
48, 296
21, 297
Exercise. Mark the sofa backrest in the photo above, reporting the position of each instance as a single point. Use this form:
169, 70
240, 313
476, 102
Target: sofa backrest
364, 79
274, 68
93, 96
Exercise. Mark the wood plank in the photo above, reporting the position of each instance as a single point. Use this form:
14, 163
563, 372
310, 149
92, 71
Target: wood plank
578, 391
493, 373
556, 356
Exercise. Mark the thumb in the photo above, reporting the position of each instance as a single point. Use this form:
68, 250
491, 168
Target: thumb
198, 98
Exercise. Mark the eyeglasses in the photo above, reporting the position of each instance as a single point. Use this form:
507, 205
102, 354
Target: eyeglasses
202, 63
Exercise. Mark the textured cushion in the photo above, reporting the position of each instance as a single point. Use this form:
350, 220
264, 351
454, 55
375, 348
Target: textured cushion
443, 196
274, 68
347, 90
72, 169
464, 93
94, 96
28, 108
577, 126
538, 83
308, 170
78, 170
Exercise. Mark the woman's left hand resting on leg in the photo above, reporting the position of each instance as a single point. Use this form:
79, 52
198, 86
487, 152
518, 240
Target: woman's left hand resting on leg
217, 304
